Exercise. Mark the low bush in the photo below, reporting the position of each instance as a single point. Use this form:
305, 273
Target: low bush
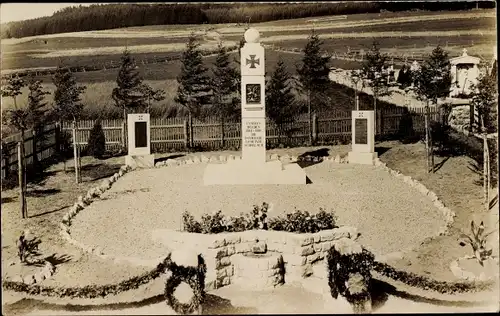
426, 283
89, 291
97, 142
295, 222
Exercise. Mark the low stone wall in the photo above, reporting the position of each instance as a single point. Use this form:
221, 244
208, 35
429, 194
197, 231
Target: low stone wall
299, 251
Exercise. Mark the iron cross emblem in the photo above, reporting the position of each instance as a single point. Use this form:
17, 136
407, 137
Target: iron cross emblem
252, 61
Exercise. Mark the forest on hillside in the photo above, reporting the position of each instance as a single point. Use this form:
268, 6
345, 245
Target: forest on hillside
110, 16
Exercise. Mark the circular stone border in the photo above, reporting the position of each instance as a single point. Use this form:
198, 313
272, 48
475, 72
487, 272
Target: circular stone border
106, 184
44, 273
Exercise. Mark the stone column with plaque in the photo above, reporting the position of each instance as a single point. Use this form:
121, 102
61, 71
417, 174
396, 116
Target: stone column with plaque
253, 168
139, 141
363, 138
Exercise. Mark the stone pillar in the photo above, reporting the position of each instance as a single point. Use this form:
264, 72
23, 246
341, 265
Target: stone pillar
253, 108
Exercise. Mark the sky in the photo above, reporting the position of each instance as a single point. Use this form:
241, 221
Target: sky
23, 11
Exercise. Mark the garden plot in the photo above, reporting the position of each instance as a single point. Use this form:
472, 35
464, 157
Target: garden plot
390, 215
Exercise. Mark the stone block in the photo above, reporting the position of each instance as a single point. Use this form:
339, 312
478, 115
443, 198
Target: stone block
275, 246
221, 273
318, 247
326, 245
204, 158
226, 281
307, 250
275, 157
250, 236
229, 270
140, 161
317, 238
345, 232
232, 239
217, 243
196, 159
327, 235
259, 247
337, 158
294, 260
224, 262
213, 159
242, 247
222, 158
231, 250
313, 258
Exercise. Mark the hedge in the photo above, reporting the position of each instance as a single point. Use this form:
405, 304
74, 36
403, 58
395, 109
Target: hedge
89, 291
426, 283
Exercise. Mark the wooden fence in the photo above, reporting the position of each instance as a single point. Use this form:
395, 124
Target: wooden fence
171, 134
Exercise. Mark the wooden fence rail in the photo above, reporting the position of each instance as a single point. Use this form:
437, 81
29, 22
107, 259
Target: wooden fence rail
168, 134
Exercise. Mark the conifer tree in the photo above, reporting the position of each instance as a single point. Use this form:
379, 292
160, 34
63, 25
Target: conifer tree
225, 85
194, 83
151, 94
432, 82
313, 77
67, 106
374, 72
281, 106
37, 114
13, 88
129, 93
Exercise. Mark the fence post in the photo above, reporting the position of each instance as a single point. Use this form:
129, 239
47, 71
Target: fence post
315, 127
75, 154
380, 124
186, 131
20, 171
124, 135
471, 118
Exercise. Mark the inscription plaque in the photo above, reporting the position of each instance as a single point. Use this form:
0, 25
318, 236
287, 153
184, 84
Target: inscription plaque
141, 136
253, 93
253, 134
361, 131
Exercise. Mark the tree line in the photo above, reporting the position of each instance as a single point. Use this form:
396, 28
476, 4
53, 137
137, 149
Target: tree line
110, 16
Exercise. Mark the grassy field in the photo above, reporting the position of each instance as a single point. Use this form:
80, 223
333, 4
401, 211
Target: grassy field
419, 33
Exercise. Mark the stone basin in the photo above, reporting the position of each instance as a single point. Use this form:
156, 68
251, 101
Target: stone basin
260, 270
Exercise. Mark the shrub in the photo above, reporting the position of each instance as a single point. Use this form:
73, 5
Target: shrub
296, 222
97, 142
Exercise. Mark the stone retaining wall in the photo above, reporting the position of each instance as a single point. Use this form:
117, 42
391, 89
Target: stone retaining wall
299, 251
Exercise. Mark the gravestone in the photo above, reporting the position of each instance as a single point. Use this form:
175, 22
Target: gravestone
253, 167
139, 141
363, 138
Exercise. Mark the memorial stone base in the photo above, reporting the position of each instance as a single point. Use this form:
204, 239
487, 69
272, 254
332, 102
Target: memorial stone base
140, 161
244, 172
362, 158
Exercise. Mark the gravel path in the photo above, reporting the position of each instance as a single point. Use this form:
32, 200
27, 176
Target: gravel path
390, 215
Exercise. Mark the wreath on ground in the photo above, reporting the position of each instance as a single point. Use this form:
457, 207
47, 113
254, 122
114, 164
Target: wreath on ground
194, 277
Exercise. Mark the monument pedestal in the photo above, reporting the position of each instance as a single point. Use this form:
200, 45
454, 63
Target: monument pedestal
140, 161
244, 172
362, 158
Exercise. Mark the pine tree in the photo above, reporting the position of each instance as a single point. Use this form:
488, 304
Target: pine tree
67, 106
129, 91
485, 98
36, 110
97, 141
13, 88
225, 86
281, 106
432, 82
194, 83
374, 72
313, 77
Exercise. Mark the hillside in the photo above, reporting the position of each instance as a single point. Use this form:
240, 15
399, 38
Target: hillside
110, 16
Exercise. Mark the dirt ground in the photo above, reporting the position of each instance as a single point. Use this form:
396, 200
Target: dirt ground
453, 182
